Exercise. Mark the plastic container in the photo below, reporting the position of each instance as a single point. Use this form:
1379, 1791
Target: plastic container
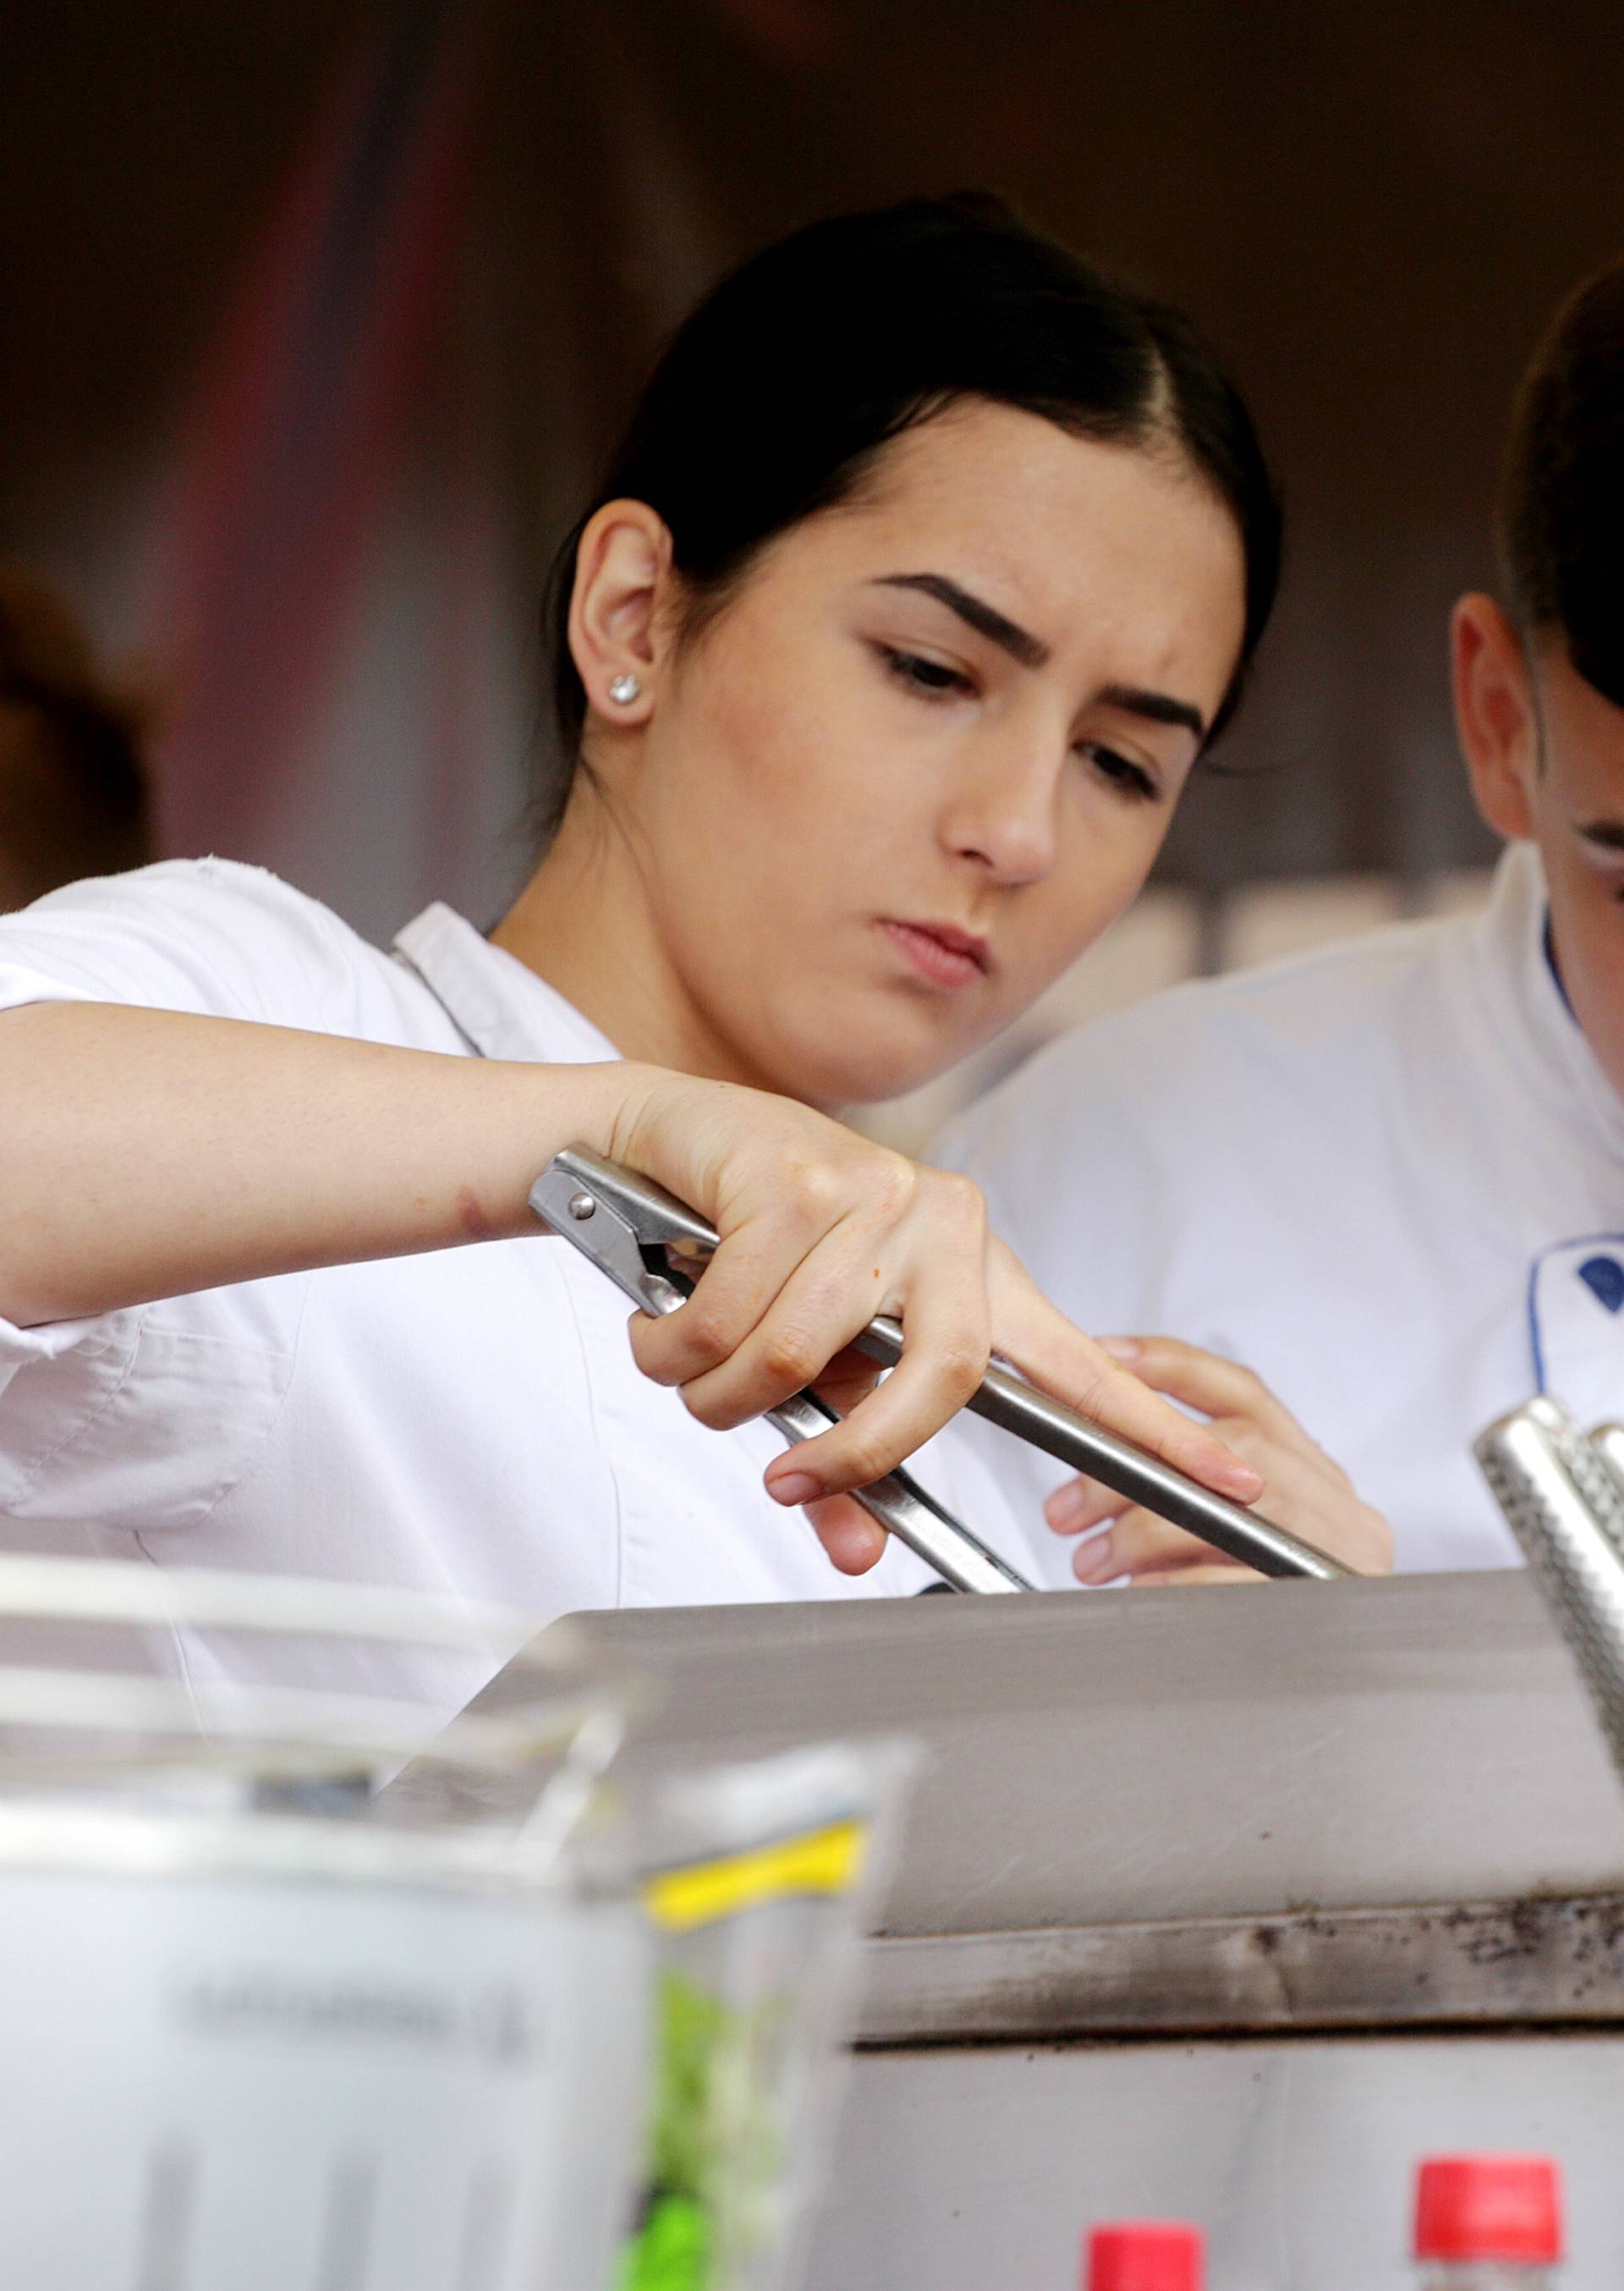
256, 2029
1487, 2222
757, 1900
1144, 2255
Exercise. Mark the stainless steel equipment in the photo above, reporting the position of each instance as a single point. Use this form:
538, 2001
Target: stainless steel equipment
1221, 1904
1564, 1502
1607, 1440
629, 1227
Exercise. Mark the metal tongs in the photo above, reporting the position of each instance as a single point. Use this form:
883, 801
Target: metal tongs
629, 1228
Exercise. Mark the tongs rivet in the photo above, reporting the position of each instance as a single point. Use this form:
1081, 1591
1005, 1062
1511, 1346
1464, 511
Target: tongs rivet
582, 1206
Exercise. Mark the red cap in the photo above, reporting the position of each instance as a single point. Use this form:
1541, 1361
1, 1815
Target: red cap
1489, 2207
1144, 2255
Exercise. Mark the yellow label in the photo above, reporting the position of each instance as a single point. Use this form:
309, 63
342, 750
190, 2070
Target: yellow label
821, 1861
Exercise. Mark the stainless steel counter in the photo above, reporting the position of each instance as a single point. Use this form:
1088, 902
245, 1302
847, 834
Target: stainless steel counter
1290, 1753
1227, 1903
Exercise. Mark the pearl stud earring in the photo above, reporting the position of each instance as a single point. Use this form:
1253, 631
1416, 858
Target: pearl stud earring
624, 689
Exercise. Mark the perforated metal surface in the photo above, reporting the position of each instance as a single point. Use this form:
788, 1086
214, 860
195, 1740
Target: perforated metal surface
1566, 1510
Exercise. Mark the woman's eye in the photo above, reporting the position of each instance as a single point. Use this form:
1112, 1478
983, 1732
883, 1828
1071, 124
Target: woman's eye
928, 676
1121, 771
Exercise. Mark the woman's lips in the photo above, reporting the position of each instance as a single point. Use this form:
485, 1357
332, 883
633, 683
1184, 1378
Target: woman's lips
941, 952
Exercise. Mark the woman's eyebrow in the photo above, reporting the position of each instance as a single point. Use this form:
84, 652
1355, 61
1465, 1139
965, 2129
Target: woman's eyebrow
1031, 652
1606, 834
985, 619
1155, 707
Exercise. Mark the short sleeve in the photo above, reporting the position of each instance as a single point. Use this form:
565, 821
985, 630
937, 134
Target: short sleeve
208, 937
144, 1419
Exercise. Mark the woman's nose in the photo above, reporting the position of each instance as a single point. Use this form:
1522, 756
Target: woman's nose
1002, 816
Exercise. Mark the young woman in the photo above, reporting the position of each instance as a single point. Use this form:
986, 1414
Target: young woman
930, 563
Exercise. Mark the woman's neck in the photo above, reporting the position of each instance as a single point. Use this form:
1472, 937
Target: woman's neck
586, 924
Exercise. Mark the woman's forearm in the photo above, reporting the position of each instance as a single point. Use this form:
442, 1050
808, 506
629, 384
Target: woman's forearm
144, 1154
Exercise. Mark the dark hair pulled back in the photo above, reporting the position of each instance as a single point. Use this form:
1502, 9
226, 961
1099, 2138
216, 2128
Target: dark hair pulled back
775, 396
1561, 488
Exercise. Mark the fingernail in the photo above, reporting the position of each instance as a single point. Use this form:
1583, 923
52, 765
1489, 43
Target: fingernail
794, 1488
1244, 1482
1094, 1561
1120, 1348
1064, 1508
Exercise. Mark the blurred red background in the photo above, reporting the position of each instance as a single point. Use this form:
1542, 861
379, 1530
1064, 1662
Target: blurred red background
315, 318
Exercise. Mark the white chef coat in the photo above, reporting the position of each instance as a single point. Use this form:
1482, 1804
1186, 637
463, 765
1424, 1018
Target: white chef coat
467, 1422
1388, 1176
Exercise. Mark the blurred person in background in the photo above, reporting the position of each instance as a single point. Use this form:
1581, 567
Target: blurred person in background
73, 795
1388, 1176
930, 564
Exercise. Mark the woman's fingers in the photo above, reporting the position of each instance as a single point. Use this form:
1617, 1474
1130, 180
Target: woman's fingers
820, 1231
826, 1297
923, 1259
1060, 1359
852, 1536
1303, 1494
1299, 1487
867, 1233
848, 1380
1218, 1387
731, 1298
1204, 1380
1137, 1544
947, 1344
1083, 1503
1160, 1578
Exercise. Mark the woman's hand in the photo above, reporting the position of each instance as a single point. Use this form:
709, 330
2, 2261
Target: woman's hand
1304, 1490
820, 1231
298, 1150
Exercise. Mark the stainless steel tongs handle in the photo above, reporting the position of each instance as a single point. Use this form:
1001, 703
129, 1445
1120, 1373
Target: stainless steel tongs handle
910, 1511
1016, 1406
653, 1221
596, 1205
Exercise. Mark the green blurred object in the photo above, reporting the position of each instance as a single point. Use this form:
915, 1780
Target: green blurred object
713, 2156
751, 1889
693, 2026
672, 2252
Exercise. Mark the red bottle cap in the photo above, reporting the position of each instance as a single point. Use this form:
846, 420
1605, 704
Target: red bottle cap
1489, 2207
1144, 2255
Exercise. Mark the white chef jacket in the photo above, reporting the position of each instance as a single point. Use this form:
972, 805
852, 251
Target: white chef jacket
467, 1422
1388, 1176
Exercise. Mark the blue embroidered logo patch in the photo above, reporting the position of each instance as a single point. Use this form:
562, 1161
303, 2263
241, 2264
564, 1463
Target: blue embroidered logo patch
1603, 1277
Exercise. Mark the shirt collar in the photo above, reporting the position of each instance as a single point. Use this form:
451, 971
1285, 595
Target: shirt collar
499, 1005
1548, 940
1513, 938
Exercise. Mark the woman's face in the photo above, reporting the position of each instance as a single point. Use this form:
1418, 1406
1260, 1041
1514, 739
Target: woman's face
929, 747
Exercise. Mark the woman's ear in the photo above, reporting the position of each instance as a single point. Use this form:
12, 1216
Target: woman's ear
618, 637
1496, 713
